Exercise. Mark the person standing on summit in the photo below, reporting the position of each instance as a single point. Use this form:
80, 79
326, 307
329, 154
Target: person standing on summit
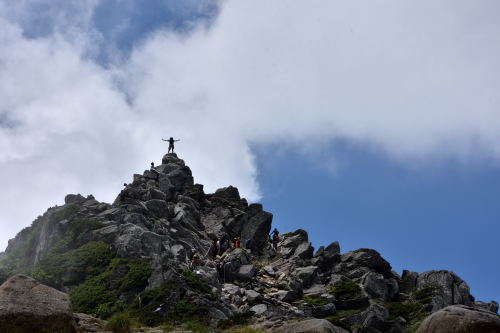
170, 144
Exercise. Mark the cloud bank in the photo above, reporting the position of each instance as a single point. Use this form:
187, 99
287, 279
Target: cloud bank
418, 80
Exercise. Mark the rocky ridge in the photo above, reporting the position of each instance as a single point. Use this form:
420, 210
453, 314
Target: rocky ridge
135, 256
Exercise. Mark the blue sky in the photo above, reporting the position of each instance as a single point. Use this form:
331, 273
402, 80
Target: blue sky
374, 124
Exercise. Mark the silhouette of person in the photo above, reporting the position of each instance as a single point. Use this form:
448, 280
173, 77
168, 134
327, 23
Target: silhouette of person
170, 144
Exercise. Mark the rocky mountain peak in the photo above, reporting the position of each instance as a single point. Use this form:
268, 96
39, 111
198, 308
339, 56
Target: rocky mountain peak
166, 251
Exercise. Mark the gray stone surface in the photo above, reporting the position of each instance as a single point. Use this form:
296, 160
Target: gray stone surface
310, 326
29, 306
460, 319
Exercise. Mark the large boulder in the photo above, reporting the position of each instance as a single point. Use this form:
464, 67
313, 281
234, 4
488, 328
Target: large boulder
306, 274
377, 286
232, 264
460, 319
29, 306
408, 282
368, 259
449, 289
375, 316
257, 227
230, 193
310, 326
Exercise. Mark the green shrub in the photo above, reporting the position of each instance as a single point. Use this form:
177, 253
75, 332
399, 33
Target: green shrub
337, 318
184, 311
195, 326
69, 211
346, 290
73, 267
148, 301
413, 310
315, 300
120, 323
425, 293
407, 310
99, 295
195, 283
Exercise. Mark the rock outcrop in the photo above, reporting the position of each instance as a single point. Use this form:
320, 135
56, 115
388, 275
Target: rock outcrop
153, 254
460, 319
28, 306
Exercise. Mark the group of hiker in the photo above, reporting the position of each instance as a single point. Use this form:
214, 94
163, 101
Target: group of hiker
220, 245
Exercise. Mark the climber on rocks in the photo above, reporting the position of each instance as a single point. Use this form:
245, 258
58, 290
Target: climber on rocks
275, 238
153, 170
170, 144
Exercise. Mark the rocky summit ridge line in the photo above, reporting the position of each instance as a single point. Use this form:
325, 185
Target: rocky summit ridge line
152, 256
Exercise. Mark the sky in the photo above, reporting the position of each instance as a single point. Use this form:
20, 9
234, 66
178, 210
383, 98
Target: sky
376, 124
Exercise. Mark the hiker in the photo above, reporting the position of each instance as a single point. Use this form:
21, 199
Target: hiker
170, 144
220, 269
223, 246
236, 242
195, 261
275, 238
248, 245
153, 170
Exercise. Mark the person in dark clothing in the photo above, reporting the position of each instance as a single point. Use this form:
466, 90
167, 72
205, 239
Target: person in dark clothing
153, 170
170, 144
275, 238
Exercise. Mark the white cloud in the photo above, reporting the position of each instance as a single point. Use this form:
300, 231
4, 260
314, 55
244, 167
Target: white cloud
417, 79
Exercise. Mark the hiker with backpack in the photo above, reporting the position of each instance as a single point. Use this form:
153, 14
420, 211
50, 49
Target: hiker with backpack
170, 143
275, 238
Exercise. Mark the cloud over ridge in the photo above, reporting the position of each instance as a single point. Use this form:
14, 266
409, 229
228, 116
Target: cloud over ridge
416, 79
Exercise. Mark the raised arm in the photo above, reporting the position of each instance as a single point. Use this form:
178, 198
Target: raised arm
162, 139
177, 140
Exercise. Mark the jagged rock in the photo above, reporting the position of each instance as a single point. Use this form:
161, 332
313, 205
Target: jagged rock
285, 296
377, 286
269, 270
408, 282
375, 316
259, 309
316, 290
232, 262
246, 272
306, 274
73, 198
337, 278
89, 324
460, 319
349, 304
491, 306
157, 207
228, 193
450, 289
366, 258
295, 288
293, 239
252, 295
231, 289
29, 306
157, 194
257, 227
310, 326
323, 311
332, 250
304, 251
